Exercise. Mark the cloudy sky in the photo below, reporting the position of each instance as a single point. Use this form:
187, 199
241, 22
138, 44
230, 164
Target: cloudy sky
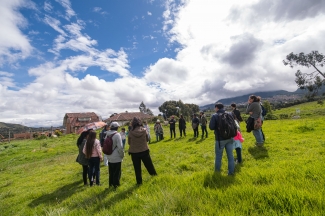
61, 56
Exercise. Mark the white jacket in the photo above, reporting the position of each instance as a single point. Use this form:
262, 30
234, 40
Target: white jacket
118, 151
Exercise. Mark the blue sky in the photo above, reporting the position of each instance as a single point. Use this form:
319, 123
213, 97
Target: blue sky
63, 56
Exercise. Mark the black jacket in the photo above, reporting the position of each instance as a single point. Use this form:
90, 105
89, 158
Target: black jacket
250, 124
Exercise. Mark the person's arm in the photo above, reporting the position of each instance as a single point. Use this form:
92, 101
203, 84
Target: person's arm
98, 149
212, 124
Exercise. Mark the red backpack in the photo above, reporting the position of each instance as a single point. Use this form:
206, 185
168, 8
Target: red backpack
108, 145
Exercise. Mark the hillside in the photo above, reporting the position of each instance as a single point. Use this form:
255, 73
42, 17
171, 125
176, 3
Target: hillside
272, 96
285, 177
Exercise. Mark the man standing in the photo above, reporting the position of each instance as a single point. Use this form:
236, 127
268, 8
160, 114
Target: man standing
195, 125
172, 123
115, 159
203, 123
221, 142
236, 113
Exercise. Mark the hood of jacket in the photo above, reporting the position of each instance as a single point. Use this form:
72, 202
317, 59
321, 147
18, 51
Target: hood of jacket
138, 132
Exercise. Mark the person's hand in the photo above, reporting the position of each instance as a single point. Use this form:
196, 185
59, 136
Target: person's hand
101, 159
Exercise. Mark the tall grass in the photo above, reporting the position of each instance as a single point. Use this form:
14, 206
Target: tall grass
285, 177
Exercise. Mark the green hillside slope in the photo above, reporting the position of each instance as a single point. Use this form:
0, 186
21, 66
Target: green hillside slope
285, 177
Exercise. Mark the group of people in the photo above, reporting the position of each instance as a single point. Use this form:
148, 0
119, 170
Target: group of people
90, 152
254, 109
90, 148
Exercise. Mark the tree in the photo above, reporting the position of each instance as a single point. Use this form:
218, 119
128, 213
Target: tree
267, 106
149, 112
312, 81
177, 108
142, 107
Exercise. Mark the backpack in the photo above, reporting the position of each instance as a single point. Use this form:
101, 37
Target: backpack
108, 145
264, 111
226, 126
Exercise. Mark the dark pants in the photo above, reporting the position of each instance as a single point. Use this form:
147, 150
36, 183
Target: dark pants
94, 169
238, 152
181, 131
114, 174
196, 132
204, 129
146, 159
84, 173
172, 131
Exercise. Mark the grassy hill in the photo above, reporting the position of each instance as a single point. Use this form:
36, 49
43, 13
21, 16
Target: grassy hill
285, 177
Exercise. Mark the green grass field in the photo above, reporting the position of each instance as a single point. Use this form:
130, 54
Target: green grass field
285, 177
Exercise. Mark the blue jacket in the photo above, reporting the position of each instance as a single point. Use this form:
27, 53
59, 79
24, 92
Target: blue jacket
213, 124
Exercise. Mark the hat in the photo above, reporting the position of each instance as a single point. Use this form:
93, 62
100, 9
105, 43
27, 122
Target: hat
114, 125
158, 121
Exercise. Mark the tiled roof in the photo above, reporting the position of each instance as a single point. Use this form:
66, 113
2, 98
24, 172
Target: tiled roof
81, 115
128, 116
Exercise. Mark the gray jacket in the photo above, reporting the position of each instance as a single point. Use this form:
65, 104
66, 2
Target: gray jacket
81, 159
254, 107
118, 152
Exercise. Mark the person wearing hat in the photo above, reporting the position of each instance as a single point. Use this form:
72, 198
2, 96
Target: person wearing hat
172, 124
159, 131
116, 158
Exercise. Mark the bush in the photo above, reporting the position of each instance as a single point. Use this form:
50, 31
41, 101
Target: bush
41, 137
270, 116
284, 116
58, 133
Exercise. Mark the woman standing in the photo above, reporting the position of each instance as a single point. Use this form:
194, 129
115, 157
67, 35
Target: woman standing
254, 110
159, 131
81, 159
182, 126
93, 152
139, 150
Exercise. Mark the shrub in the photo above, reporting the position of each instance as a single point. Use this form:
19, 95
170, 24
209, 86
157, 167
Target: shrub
41, 137
270, 116
58, 133
284, 116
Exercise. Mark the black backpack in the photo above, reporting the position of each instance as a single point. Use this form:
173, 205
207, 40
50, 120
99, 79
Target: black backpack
108, 145
226, 126
264, 111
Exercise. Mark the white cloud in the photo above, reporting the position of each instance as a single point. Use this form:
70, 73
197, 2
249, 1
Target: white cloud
149, 13
11, 37
219, 53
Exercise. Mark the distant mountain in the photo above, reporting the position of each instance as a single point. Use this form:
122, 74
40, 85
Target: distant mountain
17, 128
264, 95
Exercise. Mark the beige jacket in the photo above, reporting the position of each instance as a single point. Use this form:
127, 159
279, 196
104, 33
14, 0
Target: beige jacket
138, 140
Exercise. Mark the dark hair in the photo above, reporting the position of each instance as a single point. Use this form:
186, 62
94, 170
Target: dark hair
82, 136
219, 105
90, 143
136, 122
181, 116
254, 98
123, 128
233, 105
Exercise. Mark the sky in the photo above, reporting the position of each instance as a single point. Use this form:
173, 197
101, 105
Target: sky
70, 56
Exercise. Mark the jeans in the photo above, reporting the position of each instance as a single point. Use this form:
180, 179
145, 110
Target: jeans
238, 152
146, 159
228, 145
181, 131
84, 173
105, 160
114, 174
258, 136
172, 131
204, 129
123, 142
196, 131
94, 163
